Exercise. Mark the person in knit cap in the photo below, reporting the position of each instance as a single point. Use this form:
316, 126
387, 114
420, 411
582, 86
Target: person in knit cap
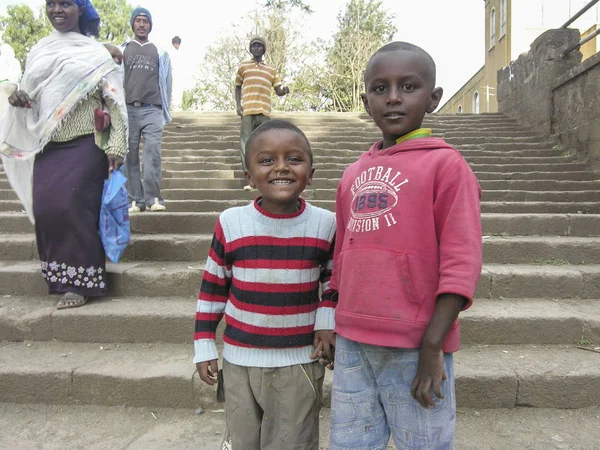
253, 92
148, 86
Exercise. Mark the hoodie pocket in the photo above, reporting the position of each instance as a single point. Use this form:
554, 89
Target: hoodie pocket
377, 282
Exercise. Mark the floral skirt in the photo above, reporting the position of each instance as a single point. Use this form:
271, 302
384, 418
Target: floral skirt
68, 180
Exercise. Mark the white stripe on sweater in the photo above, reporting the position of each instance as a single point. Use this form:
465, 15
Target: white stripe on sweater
270, 321
276, 276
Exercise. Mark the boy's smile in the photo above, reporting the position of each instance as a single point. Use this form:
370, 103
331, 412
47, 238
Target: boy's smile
280, 167
400, 92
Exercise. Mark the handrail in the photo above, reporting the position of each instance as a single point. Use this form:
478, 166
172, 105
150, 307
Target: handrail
579, 14
581, 42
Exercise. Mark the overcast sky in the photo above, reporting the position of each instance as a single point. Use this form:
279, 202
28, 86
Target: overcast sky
452, 31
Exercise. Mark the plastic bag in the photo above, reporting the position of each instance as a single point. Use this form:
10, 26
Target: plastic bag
114, 216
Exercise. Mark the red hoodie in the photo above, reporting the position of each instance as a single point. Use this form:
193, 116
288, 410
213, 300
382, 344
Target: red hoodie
408, 230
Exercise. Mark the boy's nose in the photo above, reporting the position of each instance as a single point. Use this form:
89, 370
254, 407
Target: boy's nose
394, 96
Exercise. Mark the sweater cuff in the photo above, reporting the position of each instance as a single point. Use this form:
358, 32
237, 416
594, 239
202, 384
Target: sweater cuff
205, 350
325, 319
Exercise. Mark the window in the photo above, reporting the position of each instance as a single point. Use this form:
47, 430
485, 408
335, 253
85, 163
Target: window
492, 28
502, 17
459, 110
476, 103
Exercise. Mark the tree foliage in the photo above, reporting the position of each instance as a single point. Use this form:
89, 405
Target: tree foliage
363, 27
114, 17
286, 5
22, 28
321, 75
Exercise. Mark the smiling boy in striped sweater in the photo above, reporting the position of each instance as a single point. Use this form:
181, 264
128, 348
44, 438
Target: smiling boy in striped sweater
265, 266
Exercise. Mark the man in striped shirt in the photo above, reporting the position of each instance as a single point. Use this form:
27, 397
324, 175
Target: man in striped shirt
253, 84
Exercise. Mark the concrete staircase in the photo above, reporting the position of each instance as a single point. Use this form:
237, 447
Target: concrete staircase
535, 301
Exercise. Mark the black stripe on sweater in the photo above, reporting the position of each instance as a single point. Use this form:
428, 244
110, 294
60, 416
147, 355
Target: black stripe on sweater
261, 340
278, 252
275, 298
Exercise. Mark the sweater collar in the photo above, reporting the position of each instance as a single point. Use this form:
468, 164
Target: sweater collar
260, 209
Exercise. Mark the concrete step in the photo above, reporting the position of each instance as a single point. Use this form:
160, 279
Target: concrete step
174, 180
167, 428
553, 250
321, 153
577, 225
171, 321
170, 192
162, 375
541, 207
183, 278
315, 136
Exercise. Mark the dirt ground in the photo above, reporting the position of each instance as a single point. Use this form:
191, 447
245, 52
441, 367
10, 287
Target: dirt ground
42, 427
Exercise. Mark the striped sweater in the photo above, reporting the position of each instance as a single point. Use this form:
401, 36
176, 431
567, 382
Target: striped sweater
263, 274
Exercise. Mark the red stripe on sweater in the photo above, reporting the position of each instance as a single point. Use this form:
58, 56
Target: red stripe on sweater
265, 331
208, 317
213, 298
273, 310
276, 264
214, 279
278, 288
270, 241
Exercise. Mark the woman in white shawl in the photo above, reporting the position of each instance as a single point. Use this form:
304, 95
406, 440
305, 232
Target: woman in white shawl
49, 151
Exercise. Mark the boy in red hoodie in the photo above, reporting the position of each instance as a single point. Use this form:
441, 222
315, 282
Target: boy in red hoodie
407, 261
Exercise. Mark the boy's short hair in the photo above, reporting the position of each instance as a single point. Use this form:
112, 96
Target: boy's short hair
275, 124
399, 45
176, 40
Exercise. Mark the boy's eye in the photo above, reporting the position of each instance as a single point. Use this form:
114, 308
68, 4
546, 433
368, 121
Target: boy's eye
295, 159
266, 160
408, 87
379, 89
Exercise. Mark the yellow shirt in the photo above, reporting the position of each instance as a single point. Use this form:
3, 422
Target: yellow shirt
256, 80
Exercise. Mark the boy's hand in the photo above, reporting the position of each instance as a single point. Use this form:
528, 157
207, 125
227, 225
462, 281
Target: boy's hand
430, 374
240, 110
324, 344
208, 371
286, 90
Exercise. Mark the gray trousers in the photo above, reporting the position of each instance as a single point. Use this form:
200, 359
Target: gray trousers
272, 408
147, 122
249, 124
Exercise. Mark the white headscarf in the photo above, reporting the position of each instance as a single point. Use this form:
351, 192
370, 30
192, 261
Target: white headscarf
62, 69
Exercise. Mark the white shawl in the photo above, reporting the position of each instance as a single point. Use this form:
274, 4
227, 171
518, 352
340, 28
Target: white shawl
61, 71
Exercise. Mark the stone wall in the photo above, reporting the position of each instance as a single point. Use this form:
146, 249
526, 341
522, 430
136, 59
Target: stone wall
576, 110
525, 86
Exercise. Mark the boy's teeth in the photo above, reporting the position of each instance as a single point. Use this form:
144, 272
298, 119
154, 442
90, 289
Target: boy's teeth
281, 182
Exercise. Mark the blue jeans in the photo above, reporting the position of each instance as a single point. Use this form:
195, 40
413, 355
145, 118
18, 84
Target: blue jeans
371, 399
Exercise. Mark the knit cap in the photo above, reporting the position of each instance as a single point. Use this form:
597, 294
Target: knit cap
260, 40
139, 11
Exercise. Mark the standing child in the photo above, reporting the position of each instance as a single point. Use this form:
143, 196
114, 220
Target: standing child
407, 261
263, 272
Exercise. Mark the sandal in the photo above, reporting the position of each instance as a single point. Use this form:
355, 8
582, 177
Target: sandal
71, 300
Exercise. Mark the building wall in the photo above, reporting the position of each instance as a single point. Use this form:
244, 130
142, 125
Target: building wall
464, 96
526, 20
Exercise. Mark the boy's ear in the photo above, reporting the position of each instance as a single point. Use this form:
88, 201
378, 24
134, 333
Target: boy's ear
249, 178
436, 96
310, 177
365, 103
